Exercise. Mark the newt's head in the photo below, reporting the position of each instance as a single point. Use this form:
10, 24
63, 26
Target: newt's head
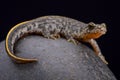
94, 31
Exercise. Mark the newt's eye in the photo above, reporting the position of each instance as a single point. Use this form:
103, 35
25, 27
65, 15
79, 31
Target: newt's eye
91, 27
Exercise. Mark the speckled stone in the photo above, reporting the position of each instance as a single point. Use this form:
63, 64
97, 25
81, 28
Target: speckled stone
57, 60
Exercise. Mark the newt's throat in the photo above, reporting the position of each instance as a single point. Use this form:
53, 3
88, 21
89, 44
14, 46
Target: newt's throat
92, 36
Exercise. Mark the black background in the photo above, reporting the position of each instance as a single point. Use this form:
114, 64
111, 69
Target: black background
98, 11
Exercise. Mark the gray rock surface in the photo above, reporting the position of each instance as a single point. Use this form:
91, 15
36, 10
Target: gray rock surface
57, 60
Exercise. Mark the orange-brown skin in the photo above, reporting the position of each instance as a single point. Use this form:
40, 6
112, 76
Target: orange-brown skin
56, 27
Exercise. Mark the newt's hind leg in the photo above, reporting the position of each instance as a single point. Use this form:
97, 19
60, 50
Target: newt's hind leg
54, 36
57, 36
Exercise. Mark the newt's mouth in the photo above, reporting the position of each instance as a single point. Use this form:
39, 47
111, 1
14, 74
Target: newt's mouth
103, 30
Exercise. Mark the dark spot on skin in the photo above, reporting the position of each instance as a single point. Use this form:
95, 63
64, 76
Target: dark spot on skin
40, 26
33, 24
28, 28
21, 33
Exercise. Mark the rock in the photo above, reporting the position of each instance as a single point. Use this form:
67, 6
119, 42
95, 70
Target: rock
57, 60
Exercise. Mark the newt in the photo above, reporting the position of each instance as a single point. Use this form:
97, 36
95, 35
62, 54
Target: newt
55, 27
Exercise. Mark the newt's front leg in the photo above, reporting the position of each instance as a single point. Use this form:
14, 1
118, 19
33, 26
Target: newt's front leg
97, 49
73, 41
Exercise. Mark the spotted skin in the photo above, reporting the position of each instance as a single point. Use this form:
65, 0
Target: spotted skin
55, 27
